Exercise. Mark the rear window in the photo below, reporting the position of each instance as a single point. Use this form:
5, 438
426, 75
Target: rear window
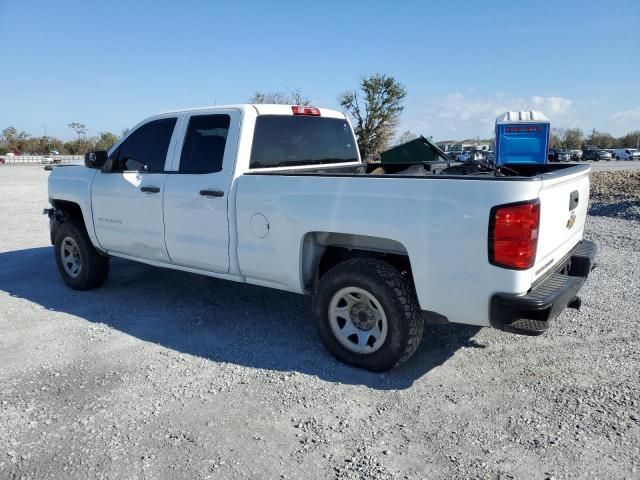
287, 141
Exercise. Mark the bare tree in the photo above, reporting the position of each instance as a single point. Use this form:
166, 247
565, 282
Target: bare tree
79, 128
407, 136
291, 97
375, 109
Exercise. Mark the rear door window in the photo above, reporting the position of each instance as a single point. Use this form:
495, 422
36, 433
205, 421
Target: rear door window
285, 141
145, 150
203, 148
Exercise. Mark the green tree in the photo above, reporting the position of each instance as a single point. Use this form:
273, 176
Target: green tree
9, 135
601, 139
105, 141
81, 145
573, 138
375, 109
631, 139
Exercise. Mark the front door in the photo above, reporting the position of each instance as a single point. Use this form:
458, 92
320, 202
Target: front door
196, 193
127, 199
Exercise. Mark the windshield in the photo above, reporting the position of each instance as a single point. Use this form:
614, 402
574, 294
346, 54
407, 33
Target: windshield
287, 141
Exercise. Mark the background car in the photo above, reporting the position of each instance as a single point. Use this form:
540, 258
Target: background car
595, 154
576, 155
463, 157
562, 156
627, 154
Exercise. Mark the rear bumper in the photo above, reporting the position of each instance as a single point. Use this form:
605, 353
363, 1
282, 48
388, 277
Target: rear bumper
531, 314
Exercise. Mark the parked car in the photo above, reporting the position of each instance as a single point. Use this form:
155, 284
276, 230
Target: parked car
454, 154
556, 155
627, 154
576, 155
234, 193
595, 154
464, 156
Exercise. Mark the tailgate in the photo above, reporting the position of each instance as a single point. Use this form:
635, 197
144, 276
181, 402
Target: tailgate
564, 199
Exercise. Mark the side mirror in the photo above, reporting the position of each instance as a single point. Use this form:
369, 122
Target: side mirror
95, 159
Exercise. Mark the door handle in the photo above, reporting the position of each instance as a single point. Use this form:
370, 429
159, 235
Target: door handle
212, 193
150, 189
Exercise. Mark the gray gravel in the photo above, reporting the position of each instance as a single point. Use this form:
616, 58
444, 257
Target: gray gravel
162, 374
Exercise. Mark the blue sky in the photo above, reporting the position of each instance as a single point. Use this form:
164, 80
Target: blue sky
110, 64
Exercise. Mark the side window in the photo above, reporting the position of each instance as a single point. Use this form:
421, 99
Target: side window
203, 149
145, 150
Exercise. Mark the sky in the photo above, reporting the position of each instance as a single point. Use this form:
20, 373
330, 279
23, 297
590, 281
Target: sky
111, 64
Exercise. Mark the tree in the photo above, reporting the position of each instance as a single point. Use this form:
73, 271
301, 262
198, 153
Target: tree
79, 128
558, 136
601, 139
631, 139
9, 135
573, 138
375, 109
106, 140
407, 136
292, 97
80, 145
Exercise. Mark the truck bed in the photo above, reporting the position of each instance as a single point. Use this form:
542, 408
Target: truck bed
440, 170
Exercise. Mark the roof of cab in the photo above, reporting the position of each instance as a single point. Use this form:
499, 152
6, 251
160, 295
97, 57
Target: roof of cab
261, 109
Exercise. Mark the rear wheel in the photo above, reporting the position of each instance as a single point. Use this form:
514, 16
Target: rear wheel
367, 314
79, 264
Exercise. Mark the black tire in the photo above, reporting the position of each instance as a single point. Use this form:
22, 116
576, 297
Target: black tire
395, 293
94, 267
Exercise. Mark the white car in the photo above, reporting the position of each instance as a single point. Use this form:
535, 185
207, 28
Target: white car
626, 154
277, 196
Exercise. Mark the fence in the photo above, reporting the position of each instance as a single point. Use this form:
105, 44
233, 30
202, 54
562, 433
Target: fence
40, 159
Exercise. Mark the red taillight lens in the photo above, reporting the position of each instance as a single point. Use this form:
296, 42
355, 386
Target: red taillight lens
513, 235
302, 110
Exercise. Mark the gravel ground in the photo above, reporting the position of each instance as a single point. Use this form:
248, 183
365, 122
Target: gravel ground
614, 165
162, 374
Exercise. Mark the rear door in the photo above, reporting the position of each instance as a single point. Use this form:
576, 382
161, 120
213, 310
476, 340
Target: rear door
127, 199
196, 191
563, 210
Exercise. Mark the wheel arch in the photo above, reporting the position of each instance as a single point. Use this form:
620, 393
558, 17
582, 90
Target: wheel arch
322, 250
69, 210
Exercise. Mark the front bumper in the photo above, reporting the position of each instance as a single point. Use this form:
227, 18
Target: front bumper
532, 313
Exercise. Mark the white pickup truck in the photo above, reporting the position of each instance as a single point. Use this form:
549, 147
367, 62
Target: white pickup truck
277, 196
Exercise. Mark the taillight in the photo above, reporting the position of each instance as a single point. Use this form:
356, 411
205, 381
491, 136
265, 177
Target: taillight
303, 110
513, 235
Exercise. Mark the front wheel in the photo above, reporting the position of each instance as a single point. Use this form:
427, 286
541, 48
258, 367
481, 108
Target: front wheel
367, 314
79, 264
